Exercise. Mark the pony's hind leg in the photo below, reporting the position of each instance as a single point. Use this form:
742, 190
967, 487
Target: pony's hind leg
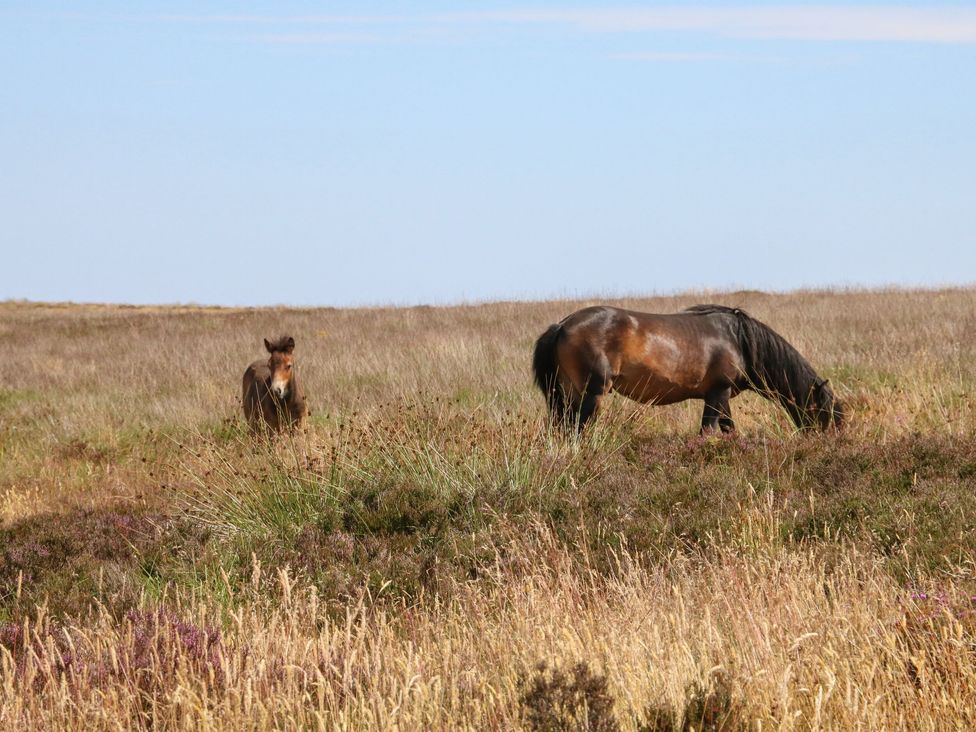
588, 409
557, 404
596, 389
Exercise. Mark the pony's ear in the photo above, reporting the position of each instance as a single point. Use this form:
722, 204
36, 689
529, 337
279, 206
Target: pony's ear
289, 344
822, 383
267, 344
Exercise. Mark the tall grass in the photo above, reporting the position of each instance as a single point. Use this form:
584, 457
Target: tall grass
780, 640
426, 554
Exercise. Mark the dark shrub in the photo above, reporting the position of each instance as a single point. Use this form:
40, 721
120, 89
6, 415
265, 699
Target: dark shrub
557, 701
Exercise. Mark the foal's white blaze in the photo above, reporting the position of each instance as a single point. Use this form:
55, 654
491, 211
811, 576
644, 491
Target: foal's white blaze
280, 387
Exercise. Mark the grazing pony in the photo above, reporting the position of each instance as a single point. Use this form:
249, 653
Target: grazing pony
708, 352
272, 395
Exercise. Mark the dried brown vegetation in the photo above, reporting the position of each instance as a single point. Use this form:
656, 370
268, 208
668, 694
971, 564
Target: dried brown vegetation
427, 556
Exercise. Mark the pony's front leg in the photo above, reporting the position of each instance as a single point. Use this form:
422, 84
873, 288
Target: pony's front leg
725, 412
717, 413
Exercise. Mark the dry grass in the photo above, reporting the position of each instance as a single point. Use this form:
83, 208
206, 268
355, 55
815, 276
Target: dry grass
792, 642
412, 558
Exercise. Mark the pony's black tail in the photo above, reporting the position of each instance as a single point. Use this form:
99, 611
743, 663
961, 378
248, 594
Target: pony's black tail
545, 365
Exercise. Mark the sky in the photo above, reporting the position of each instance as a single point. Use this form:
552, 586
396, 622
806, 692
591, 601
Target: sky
256, 153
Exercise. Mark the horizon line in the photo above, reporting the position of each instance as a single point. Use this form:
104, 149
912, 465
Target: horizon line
462, 303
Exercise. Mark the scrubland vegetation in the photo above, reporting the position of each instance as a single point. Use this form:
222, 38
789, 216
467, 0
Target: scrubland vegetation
426, 555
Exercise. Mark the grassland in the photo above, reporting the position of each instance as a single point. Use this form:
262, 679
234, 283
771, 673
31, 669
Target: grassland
426, 555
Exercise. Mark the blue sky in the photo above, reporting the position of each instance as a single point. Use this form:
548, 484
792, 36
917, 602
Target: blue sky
366, 153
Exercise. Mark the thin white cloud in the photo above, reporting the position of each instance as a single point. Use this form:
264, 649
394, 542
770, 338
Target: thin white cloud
796, 22
864, 23
678, 56
320, 39
294, 20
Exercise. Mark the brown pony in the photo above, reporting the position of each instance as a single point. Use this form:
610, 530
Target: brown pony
708, 352
272, 394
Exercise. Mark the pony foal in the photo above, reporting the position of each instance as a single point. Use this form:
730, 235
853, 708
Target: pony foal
273, 396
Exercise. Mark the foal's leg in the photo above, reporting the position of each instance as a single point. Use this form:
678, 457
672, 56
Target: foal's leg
716, 414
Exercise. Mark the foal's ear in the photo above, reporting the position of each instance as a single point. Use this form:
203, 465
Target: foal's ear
289, 344
267, 345
822, 383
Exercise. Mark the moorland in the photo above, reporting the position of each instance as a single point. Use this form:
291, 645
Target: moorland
427, 554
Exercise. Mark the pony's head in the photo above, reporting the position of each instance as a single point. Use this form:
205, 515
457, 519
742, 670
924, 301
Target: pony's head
825, 409
281, 364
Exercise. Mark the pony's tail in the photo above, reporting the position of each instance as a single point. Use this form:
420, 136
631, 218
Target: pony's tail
545, 365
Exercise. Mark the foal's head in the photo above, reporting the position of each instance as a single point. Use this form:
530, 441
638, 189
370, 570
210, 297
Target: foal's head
824, 408
281, 364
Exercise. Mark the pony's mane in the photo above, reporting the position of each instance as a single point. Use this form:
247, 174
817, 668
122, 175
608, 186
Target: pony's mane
709, 309
773, 366
282, 344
